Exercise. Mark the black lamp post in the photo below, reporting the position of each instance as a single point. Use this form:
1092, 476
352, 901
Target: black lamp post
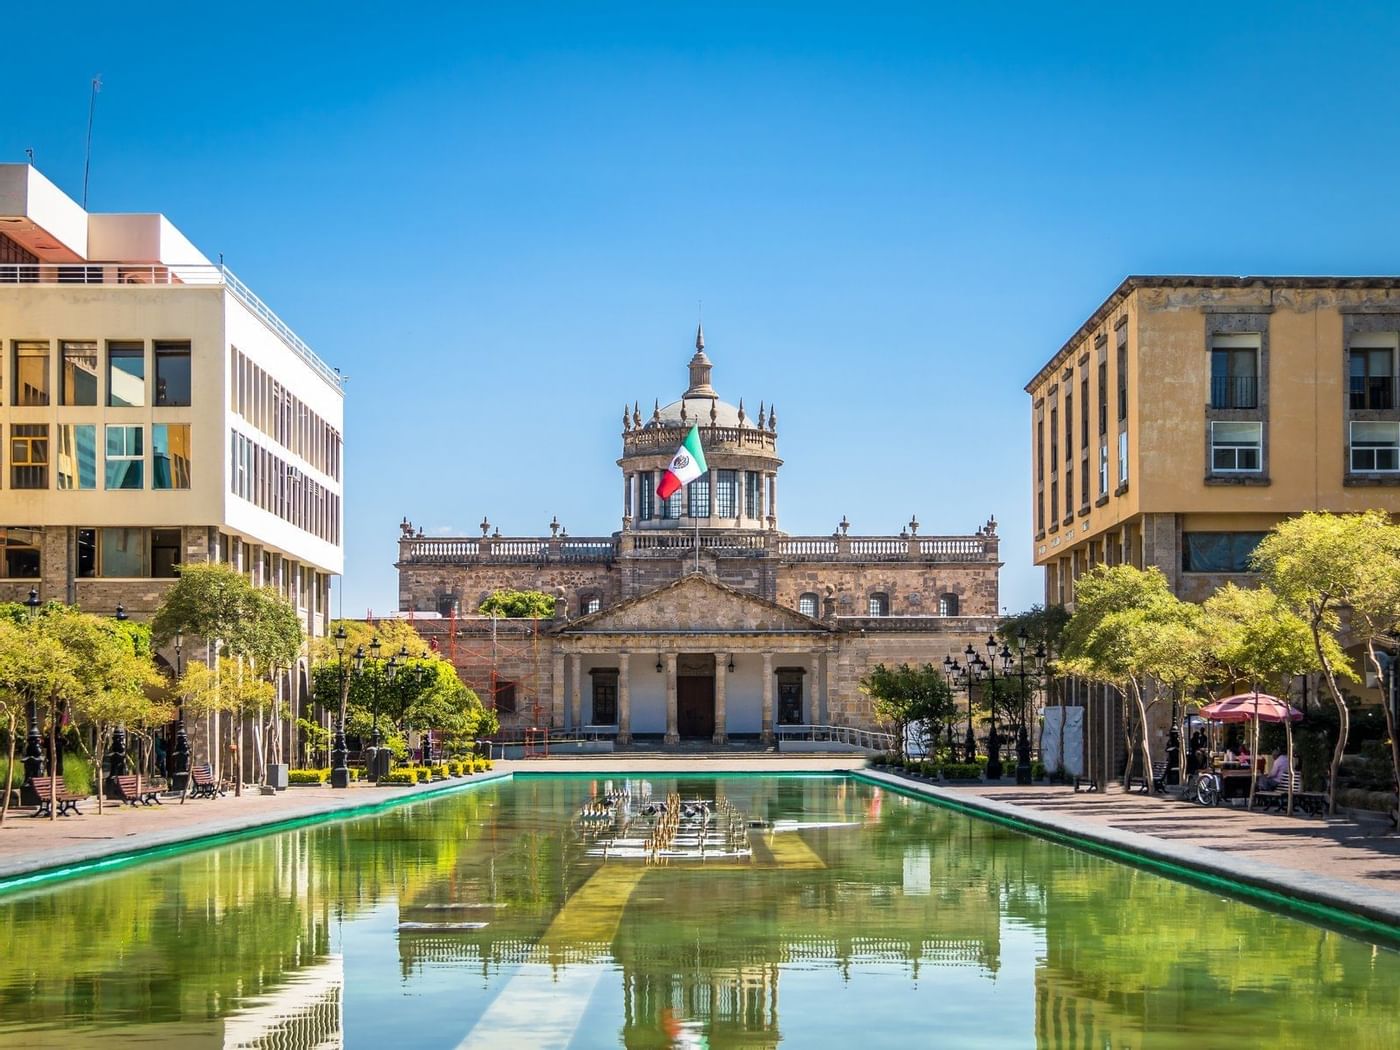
391, 671
116, 761
340, 772
1023, 740
374, 650
994, 652
969, 675
181, 771
34, 742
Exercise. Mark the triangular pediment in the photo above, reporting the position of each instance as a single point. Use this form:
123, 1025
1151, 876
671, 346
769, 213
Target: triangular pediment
695, 603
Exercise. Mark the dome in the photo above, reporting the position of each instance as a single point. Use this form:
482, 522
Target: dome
697, 410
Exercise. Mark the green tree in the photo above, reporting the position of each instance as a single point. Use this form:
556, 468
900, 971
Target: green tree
510, 604
907, 696
1321, 565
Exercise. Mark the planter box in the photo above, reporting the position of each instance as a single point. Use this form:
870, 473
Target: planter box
277, 775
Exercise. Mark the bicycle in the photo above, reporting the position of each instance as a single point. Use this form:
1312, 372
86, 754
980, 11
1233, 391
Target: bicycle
1204, 787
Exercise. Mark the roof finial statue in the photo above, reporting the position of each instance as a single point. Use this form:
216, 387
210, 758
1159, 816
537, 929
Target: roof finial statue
626, 419
636, 414
699, 369
760, 416
656, 411
485, 525
683, 415
700, 336
714, 412
741, 411
772, 419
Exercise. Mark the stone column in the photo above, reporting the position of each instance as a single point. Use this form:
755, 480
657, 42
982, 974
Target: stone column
556, 710
672, 736
624, 700
816, 710
714, 493
636, 496
575, 690
721, 718
829, 681
773, 499
627, 496
767, 735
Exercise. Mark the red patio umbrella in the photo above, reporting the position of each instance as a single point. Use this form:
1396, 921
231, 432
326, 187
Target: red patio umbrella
1256, 708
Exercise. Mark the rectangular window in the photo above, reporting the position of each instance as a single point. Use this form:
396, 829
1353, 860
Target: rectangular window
753, 482
165, 553
1054, 503
646, 496
1375, 447
671, 505
29, 456
31, 372
1234, 372
125, 458
698, 497
1040, 511
1084, 482
1122, 457
121, 552
1218, 551
1122, 381
77, 456
1040, 450
87, 553
126, 375
1372, 378
1054, 440
172, 373
21, 553
1103, 398
1103, 469
170, 456
79, 374
505, 697
726, 492
1236, 448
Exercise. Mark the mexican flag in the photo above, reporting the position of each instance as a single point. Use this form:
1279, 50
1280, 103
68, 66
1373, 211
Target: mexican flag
686, 465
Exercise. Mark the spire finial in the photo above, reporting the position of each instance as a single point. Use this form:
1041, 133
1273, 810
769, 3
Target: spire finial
700, 335
714, 412
636, 414
656, 411
626, 419
772, 419
741, 411
761, 416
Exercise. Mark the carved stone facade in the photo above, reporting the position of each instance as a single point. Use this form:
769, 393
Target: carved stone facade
698, 618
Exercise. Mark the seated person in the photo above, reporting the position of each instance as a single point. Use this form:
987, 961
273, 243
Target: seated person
1242, 756
1277, 777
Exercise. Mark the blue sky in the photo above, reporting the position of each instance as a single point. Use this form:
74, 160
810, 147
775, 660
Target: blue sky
498, 221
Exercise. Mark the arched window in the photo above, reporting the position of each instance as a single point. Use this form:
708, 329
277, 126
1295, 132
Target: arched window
879, 604
948, 605
447, 605
589, 603
807, 605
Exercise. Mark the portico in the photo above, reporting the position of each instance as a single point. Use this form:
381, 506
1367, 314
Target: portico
694, 660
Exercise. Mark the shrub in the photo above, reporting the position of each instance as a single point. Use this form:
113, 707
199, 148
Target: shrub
307, 776
439, 772
77, 773
1037, 770
962, 771
400, 776
424, 774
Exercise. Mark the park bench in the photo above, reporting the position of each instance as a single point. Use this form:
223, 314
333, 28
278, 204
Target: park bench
1159, 774
132, 795
202, 782
67, 800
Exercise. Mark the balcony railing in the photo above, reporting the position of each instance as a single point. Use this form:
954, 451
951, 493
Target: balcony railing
1234, 391
678, 543
147, 274
1373, 393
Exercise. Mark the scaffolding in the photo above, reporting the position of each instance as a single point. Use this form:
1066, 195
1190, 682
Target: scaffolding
478, 648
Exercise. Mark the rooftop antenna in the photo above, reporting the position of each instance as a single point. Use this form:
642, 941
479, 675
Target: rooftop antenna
30, 154
87, 154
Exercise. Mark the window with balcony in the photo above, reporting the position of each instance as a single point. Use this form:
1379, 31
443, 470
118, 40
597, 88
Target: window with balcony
1236, 448
807, 605
878, 604
21, 559
126, 375
1375, 447
726, 492
125, 458
1372, 378
1234, 374
77, 456
170, 456
173, 375
1218, 551
698, 497
29, 456
79, 374
31, 372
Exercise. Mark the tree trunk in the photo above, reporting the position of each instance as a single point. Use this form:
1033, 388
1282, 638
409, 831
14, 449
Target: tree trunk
53, 762
99, 752
1146, 743
1343, 719
1288, 735
1384, 681
9, 767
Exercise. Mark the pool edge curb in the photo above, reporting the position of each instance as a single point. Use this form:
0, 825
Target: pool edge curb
1315, 898
39, 871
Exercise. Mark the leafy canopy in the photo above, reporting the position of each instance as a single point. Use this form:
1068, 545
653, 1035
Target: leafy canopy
530, 605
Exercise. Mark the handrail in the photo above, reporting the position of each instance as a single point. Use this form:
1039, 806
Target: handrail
873, 740
169, 274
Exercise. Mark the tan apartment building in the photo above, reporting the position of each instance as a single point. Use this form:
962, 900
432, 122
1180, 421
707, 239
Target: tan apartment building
1188, 415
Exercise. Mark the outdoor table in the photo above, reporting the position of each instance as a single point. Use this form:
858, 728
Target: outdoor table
1234, 781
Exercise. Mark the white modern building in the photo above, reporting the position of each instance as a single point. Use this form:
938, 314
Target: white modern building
155, 411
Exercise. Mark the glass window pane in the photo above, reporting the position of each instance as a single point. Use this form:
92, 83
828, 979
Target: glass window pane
29, 456
77, 456
21, 553
170, 456
172, 373
31, 373
124, 458
698, 492
807, 605
1237, 433
79, 374
165, 553
126, 375
87, 553
123, 552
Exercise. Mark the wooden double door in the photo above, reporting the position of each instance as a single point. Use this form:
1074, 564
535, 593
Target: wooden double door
695, 706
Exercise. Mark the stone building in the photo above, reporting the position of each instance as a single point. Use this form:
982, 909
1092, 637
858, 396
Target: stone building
699, 618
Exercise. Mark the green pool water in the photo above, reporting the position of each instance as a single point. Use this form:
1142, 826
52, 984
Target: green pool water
861, 919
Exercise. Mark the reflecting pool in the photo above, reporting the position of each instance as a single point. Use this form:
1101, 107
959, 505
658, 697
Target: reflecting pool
849, 916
